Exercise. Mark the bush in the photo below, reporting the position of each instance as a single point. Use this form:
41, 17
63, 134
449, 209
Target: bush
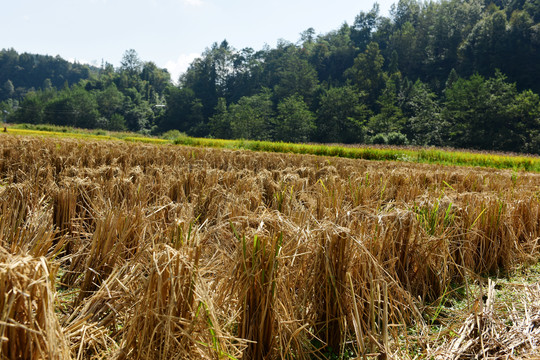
100, 132
172, 135
397, 138
379, 139
117, 123
533, 146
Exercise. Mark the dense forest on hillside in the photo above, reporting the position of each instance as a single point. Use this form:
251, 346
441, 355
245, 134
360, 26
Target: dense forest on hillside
461, 73
23, 73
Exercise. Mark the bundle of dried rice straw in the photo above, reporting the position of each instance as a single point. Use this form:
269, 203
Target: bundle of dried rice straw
29, 328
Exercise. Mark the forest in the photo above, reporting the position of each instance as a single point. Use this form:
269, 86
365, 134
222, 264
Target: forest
452, 73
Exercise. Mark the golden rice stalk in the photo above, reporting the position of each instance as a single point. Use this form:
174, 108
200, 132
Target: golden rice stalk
95, 327
64, 203
29, 328
332, 261
255, 278
117, 238
170, 321
25, 226
89, 341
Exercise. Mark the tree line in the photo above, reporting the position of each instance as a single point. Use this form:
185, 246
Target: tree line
128, 98
460, 73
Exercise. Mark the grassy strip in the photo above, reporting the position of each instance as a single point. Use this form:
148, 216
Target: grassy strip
430, 156
71, 130
15, 131
95, 135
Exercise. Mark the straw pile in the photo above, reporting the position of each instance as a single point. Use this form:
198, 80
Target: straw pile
29, 327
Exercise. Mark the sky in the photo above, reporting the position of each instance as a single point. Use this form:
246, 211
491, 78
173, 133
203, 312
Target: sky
171, 33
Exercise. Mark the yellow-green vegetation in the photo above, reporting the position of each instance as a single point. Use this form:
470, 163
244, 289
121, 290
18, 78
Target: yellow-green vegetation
428, 155
366, 152
65, 131
90, 136
127, 250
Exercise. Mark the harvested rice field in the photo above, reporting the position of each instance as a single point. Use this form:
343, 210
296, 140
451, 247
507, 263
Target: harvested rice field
114, 250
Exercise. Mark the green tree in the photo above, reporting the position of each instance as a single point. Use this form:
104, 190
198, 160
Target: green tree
333, 54
341, 116
31, 109
526, 110
307, 38
47, 85
131, 63
484, 114
486, 47
367, 72
209, 77
523, 50
251, 117
465, 108
289, 74
183, 112
85, 106
246, 76
295, 123
442, 29
220, 123
452, 78
117, 123
110, 101
390, 117
403, 41
155, 79
8, 89
365, 24
75, 107
533, 9
138, 117
425, 125
406, 11
7, 108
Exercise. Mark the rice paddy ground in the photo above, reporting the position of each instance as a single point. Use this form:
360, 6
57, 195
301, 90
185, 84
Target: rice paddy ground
127, 250
515, 162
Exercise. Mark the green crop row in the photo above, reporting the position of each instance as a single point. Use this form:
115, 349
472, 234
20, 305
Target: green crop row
429, 155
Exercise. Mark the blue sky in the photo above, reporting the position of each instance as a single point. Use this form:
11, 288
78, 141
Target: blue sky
169, 32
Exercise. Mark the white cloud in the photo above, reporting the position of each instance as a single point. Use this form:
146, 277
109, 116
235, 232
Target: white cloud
193, 2
81, 61
180, 65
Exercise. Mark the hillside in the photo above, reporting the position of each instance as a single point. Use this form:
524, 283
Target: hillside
22, 73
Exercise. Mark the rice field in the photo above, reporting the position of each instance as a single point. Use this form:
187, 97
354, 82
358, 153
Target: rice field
517, 162
121, 250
